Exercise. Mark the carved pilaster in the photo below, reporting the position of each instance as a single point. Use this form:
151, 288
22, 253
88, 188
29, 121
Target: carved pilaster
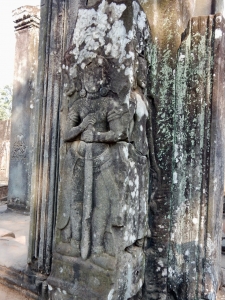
26, 19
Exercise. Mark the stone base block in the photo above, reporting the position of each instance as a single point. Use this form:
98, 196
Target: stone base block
73, 278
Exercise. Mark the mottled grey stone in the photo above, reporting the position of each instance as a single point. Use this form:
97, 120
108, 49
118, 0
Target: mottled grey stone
198, 168
5, 128
25, 63
89, 141
102, 216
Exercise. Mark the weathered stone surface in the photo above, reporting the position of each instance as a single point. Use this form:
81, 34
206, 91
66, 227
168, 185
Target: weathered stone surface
167, 21
26, 54
3, 192
57, 160
5, 128
198, 171
102, 220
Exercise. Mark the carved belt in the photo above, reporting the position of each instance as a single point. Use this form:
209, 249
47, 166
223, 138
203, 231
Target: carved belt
104, 160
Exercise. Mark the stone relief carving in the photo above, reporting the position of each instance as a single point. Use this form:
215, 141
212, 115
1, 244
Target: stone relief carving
104, 193
102, 217
95, 120
19, 148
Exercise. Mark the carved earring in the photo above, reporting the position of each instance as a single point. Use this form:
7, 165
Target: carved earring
104, 91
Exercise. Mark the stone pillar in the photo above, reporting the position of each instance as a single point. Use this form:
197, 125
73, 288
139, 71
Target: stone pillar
44, 173
5, 129
168, 19
198, 167
56, 97
26, 21
107, 188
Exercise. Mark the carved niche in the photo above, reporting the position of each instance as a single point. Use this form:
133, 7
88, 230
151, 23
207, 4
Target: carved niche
102, 217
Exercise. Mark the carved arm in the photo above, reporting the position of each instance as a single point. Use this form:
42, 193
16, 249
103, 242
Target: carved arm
117, 132
71, 134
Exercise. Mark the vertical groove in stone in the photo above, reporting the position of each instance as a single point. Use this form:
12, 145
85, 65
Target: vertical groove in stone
46, 144
216, 171
36, 180
46, 134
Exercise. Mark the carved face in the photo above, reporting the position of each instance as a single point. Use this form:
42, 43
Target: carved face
96, 75
93, 78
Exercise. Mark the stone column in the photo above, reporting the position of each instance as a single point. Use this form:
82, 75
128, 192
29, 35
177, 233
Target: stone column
73, 71
26, 21
198, 165
44, 175
48, 169
168, 20
5, 128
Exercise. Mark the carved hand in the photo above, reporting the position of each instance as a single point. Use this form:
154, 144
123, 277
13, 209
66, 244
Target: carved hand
88, 136
88, 120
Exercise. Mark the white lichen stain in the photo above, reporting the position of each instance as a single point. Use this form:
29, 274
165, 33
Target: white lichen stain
50, 287
181, 57
171, 272
160, 263
195, 221
130, 73
124, 208
210, 245
94, 27
141, 109
131, 183
164, 272
110, 295
125, 151
175, 177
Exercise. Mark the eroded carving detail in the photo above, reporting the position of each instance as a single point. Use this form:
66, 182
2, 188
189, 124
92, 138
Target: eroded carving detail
102, 218
19, 149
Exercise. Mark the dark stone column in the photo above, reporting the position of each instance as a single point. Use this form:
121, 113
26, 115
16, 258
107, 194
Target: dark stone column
44, 173
168, 19
198, 165
26, 53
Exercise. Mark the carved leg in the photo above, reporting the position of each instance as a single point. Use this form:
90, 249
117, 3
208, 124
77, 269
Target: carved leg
101, 216
76, 219
117, 217
66, 234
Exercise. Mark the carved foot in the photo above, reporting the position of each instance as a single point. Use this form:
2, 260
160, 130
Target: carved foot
104, 261
69, 249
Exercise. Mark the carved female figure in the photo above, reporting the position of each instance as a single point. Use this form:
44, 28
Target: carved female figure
89, 194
